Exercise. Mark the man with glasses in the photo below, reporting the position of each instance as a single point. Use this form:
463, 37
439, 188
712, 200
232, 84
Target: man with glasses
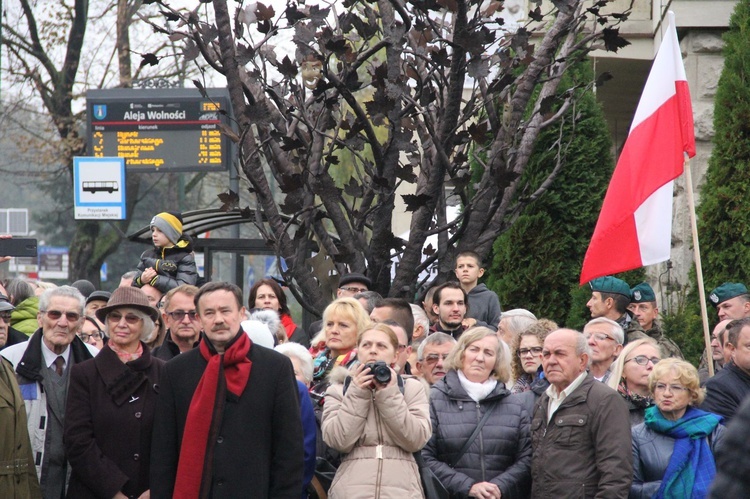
726, 391
431, 356
42, 367
183, 326
605, 338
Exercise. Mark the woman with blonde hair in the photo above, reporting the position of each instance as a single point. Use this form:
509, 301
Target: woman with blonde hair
630, 375
481, 444
377, 420
673, 448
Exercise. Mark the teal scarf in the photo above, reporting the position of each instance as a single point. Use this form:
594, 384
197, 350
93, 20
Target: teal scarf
691, 468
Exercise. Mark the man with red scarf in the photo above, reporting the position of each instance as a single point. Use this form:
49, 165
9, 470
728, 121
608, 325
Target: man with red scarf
228, 419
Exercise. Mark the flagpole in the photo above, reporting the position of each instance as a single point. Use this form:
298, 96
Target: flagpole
698, 266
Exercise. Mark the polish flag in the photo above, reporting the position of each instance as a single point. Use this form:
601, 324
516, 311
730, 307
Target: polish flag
635, 224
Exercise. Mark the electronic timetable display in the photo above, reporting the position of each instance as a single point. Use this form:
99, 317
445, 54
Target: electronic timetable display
159, 130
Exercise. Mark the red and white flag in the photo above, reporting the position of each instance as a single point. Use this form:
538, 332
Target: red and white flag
635, 225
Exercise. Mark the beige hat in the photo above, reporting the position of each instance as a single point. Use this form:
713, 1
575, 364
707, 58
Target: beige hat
128, 296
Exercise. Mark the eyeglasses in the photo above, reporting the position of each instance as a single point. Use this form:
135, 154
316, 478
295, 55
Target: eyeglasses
598, 336
675, 389
353, 289
5, 316
86, 336
434, 357
523, 352
57, 315
178, 315
642, 360
115, 317
401, 348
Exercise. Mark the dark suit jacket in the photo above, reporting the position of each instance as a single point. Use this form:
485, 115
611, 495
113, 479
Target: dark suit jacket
108, 422
259, 447
726, 391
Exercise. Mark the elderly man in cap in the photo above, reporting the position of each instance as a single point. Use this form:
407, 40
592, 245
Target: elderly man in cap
731, 301
644, 309
610, 298
349, 285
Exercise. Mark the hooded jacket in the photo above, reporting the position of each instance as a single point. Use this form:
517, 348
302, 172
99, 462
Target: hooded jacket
484, 306
379, 430
501, 453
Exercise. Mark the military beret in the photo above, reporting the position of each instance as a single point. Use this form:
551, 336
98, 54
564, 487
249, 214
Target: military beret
354, 277
726, 291
642, 293
609, 284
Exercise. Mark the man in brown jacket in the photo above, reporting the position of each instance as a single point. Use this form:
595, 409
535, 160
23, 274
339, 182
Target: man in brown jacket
580, 430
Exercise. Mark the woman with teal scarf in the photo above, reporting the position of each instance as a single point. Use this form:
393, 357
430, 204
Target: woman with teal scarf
673, 447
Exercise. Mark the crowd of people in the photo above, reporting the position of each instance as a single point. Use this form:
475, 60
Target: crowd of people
163, 388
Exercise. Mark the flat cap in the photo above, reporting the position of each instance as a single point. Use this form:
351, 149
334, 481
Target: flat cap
354, 277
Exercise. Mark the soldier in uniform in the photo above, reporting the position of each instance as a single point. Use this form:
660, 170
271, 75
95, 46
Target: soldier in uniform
610, 298
644, 309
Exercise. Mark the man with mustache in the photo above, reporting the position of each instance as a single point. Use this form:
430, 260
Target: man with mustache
228, 419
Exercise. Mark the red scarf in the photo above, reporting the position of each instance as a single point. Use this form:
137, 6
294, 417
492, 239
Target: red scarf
197, 449
289, 325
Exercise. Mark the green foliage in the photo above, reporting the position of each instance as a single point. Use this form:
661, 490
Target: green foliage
537, 262
723, 215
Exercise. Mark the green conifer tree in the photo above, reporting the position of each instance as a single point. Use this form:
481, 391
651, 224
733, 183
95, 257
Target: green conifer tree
537, 262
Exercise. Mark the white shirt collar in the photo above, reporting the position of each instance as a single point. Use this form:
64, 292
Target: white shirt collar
554, 395
50, 356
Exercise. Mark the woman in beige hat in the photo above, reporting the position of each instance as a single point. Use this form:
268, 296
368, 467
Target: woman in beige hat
111, 404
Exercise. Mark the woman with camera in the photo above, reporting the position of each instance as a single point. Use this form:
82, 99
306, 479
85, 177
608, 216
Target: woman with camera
481, 443
378, 420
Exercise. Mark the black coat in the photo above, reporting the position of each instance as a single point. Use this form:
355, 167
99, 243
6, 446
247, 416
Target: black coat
259, 447
733, 458
726, 391
501, 453
14, 337
108, 422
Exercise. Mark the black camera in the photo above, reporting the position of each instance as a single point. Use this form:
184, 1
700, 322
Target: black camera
380, 371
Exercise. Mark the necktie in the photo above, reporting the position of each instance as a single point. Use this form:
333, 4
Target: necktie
59, 364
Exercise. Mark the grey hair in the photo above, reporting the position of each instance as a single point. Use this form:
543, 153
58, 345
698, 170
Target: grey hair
370, 297
616, 330
301, 353
518, 319
64, 292
148, 324
437, 338
130, 274
420, 318
582, 345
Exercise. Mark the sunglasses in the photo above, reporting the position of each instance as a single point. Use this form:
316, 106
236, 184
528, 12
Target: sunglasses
115, 317
57, 315
5, 316
178, 315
